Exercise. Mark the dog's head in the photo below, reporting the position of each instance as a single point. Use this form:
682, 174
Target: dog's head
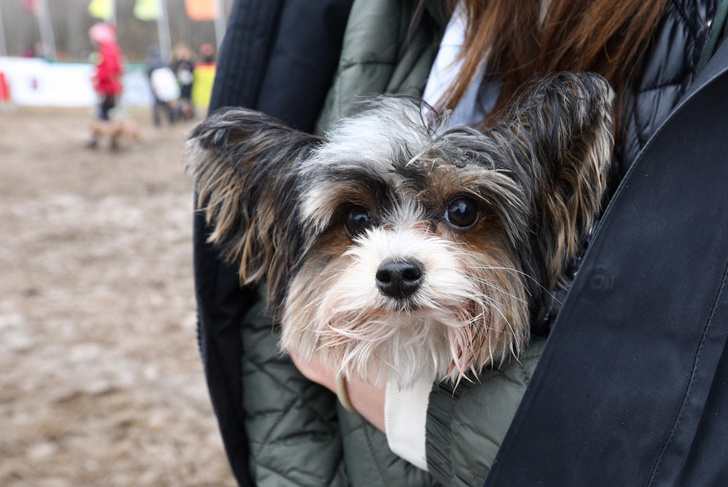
399, 246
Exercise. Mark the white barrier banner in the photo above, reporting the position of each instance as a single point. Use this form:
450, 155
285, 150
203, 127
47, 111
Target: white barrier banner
37, 82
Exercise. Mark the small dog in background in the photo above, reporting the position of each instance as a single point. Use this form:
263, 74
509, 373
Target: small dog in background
118, 133
399, 247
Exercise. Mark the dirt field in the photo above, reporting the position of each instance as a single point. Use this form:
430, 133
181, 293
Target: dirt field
100, 378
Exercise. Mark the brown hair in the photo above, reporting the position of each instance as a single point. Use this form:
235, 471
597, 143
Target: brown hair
602, 36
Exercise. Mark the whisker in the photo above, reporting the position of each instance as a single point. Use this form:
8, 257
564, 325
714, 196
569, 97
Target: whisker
516, 272
500, 290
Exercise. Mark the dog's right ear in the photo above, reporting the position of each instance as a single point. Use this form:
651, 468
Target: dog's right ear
244, 165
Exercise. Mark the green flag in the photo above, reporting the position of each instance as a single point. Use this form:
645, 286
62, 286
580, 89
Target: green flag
101, 9
147, 9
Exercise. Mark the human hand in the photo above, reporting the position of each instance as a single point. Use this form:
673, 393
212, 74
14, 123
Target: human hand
368, 400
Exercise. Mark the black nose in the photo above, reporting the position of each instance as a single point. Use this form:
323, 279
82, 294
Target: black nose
399, 278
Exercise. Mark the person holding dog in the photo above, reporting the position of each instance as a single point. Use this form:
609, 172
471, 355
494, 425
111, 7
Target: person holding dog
649, 51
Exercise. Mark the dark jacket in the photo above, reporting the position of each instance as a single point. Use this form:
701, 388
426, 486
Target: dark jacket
632, 386
249, 59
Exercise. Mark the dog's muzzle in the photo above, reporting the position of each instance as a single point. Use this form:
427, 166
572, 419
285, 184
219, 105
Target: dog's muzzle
399, 279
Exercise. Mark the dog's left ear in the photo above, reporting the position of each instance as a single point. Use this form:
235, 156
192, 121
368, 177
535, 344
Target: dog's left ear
244, 165
563, 144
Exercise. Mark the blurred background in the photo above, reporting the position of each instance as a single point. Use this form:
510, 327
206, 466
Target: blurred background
101, 381
192, 23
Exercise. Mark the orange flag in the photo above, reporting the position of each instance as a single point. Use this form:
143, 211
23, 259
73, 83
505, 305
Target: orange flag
201, 10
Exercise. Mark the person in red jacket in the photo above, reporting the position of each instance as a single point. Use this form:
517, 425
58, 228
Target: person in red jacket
106, 79
109, 69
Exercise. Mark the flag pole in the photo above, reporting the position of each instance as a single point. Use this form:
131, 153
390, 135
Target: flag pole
3, 46
46, 31
165, 43
219, 22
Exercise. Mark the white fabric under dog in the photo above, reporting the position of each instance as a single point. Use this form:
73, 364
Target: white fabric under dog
405, 419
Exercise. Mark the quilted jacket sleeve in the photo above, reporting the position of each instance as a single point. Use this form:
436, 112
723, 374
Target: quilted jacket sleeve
291, 422
466, 425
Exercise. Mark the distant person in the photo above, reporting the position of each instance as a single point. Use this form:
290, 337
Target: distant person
204, 75
165, 90
207, 53
183, 67
107, 73
28, 51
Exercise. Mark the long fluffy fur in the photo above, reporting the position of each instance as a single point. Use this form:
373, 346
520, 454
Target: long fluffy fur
243, 163
277, 200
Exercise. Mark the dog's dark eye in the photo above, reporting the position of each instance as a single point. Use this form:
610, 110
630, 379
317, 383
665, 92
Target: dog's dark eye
462, 212
357, 220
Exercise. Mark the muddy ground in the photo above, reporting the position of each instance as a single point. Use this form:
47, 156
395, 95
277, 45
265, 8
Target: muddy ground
100, 378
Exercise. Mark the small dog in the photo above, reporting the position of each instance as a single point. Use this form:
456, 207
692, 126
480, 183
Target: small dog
400, 247
118, 133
